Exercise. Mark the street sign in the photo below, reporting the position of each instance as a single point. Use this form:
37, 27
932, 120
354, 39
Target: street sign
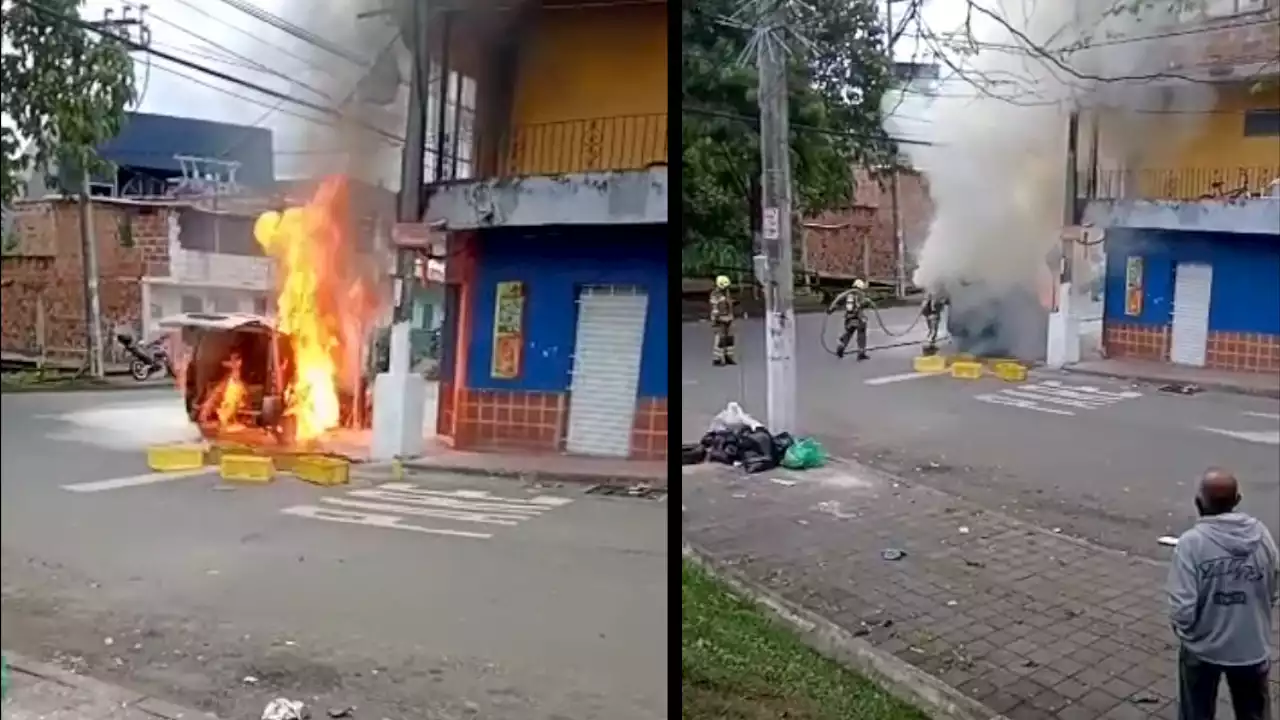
771, 228
411, 236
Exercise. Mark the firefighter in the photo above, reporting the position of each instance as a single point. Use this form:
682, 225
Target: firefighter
856, 305
722, 323
934, 304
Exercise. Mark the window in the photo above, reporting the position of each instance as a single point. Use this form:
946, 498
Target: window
260, 305
192, 304
1262, 123
459, 126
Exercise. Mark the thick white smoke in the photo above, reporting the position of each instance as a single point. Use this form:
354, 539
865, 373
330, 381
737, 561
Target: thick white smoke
997, 166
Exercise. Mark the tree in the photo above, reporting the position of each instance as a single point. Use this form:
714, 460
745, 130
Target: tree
64, 91
838, 77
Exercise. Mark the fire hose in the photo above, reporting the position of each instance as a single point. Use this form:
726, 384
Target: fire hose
826, 325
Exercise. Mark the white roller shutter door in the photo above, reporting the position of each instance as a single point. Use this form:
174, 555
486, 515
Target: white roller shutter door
1192, 286
606, 370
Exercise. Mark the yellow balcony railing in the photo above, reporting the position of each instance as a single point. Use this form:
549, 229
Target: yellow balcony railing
1186, 184
625, 142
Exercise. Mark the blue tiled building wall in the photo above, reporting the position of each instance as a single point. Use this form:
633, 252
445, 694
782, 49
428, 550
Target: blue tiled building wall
554, 263
1246, 277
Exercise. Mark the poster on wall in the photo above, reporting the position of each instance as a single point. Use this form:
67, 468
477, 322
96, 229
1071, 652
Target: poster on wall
508, 330
1133, 286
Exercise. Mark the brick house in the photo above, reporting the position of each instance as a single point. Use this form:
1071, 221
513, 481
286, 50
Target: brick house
44, 279
155, 258
833, 241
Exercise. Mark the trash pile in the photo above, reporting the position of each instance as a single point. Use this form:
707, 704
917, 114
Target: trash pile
736, 438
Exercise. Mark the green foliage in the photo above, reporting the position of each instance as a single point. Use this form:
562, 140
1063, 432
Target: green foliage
64, 91
837, 76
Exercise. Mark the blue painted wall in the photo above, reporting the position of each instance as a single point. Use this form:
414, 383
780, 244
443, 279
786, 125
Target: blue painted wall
1246, 277
554, 263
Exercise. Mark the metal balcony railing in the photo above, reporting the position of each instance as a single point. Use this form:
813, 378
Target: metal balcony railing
625, 142
1185, 184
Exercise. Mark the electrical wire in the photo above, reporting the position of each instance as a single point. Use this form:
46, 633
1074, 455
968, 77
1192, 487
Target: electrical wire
306, 36
75, 21
258, 38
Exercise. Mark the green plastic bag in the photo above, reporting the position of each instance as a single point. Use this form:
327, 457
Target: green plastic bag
804, 454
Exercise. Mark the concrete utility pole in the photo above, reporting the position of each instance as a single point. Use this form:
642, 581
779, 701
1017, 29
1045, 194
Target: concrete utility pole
774, 264
900, 247
92, 296
399, 395
94, 351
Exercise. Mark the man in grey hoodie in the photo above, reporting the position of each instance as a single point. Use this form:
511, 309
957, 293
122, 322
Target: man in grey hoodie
1223, 582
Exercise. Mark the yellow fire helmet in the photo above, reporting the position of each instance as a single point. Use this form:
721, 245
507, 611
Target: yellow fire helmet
859, 284
722, 282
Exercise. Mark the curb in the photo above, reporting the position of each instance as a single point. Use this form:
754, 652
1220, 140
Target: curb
539, 476
903, 680
1223, 387
121, 697
75, 387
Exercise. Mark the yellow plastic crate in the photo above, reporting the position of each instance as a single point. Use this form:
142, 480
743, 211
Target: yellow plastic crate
171, 458
929, 363
246, 468
1010, 371
322, 470
965, 370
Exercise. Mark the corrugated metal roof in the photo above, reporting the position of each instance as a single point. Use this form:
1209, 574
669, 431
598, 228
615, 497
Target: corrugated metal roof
151, 141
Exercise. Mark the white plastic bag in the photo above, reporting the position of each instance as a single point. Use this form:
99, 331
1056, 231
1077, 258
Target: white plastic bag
284, 709
733, 417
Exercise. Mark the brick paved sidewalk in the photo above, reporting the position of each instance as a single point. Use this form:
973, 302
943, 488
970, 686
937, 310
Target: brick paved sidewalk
1030, 623
42, 692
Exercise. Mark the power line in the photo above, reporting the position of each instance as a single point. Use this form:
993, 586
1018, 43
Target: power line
754, 122
258, 38
254, 64
307, 36
59, 17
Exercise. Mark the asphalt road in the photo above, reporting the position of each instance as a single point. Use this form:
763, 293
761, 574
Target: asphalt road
1096, 458
452, 597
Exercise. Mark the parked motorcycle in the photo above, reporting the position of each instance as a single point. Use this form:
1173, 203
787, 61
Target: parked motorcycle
149, 358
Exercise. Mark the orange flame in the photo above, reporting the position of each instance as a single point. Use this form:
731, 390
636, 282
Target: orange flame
317, 277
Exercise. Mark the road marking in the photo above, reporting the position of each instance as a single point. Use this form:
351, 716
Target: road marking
374, 520
1039, 396
403, 506
135, 481
1263, 437
886, 379
995, 399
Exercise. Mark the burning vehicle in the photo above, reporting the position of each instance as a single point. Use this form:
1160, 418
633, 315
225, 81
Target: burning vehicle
238, 373
299, 374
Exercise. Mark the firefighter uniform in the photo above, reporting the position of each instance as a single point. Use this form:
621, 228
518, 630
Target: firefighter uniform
856, 305
934, 304
722, 324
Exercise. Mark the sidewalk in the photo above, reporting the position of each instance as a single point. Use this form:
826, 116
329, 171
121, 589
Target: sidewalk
1032, 624
1262, 384
43, 692
542, 467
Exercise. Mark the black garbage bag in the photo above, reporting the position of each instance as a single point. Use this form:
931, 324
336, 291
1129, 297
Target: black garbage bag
692, 453
781, 442
756, 448
722, 446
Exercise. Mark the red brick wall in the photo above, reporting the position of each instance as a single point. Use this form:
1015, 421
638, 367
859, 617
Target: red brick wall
1245, 352
838, 251
47, 266
649, 432
504, 420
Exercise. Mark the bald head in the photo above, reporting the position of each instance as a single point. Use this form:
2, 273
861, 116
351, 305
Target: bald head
1219, 492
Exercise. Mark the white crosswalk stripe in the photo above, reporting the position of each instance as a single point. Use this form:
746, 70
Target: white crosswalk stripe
471, 514
1055, 397
1269, 436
